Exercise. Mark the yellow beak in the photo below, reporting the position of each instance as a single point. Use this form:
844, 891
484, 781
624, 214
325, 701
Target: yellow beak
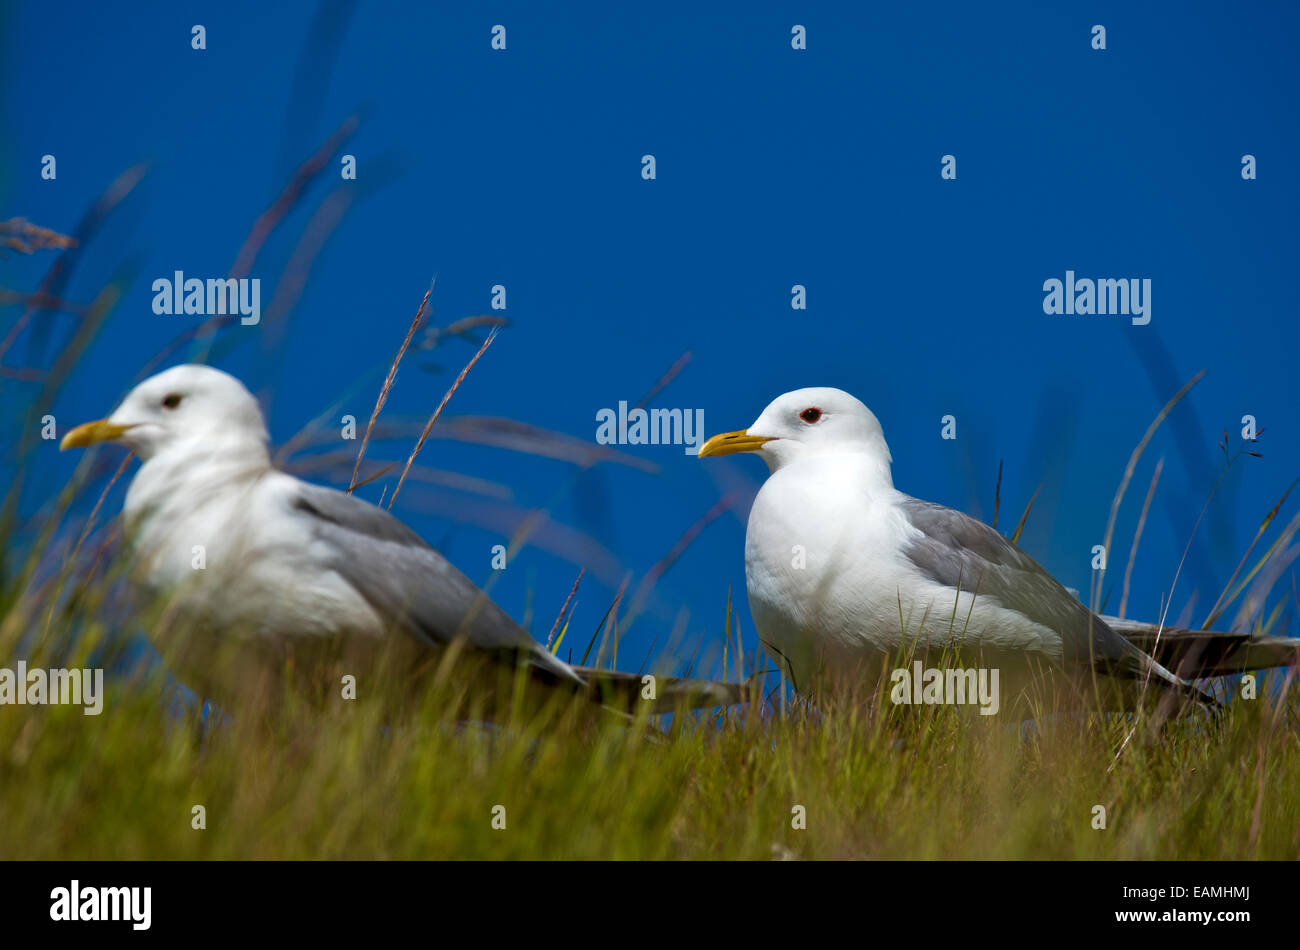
729, 443
101, 430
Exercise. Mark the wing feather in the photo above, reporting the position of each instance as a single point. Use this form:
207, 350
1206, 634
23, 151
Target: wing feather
957, 550
411, 585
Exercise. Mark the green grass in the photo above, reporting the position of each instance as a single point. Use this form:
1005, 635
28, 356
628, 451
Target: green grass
897, 782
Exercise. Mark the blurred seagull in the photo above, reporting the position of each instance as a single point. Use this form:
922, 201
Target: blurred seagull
264, 569
843, 570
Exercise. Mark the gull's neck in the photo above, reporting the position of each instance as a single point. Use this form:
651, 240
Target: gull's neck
870, 468
193, 472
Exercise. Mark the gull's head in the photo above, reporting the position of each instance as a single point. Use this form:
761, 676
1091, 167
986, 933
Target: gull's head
187, 407
806, 423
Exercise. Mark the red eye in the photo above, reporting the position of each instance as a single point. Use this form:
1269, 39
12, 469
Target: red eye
810, 415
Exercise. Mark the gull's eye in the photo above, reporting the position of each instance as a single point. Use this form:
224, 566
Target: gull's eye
171, 400
810, 415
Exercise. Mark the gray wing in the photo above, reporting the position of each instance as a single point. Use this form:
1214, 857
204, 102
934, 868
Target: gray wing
956, 549
411, 585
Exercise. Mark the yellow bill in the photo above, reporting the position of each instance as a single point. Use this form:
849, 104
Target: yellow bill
91, 433
729, 443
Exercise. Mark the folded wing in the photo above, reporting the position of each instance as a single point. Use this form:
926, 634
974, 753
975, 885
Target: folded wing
412, 586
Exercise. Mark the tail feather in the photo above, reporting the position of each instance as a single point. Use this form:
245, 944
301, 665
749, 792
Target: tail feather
1200, 654
628, 691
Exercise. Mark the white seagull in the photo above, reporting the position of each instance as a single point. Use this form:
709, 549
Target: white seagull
267, 573
843, 570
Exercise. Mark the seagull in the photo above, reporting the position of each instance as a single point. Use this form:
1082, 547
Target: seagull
261, 572
844, 571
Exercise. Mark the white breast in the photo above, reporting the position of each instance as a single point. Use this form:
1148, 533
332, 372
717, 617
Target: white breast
232, 558
818, 565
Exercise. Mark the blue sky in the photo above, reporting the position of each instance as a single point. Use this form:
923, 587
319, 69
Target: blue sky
775, 167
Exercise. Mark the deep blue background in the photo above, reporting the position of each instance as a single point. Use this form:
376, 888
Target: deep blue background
775, 167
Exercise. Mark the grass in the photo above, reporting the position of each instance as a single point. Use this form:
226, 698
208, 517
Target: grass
880, 783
